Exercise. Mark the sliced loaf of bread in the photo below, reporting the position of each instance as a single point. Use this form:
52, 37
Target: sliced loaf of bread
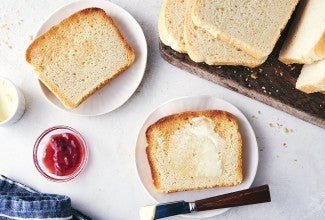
305, 42
202, 46
171, 24
194, 150
312, 77
80, 55
252, 26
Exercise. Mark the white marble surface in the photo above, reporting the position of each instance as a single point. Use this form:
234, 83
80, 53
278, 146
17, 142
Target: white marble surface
292, 163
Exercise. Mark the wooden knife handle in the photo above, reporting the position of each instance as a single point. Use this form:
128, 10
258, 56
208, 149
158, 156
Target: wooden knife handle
254, 195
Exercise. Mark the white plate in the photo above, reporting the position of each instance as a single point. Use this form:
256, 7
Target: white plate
196, 103
119, 90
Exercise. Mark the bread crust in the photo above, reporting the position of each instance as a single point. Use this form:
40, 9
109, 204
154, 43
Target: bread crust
254, 51
39, 41
165, 36
174, 119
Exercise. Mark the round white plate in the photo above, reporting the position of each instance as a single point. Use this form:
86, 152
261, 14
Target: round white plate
119, 90
196, 103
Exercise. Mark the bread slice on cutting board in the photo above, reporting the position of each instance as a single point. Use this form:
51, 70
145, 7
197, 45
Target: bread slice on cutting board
194, 150
305, 42
171, 24
252, 26
312, 77
202, 46
80, 55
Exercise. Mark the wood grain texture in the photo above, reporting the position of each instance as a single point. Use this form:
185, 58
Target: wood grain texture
251, 196
272, 83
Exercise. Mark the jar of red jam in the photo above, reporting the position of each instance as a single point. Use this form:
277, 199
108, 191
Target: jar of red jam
60, 153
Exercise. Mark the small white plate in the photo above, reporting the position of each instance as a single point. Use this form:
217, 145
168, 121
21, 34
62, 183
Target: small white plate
119, 90
196, 103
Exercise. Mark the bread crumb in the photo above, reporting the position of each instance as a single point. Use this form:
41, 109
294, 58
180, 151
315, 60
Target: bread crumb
254, 75
7, 44
254, 117
287, 130
3, 26
30, 37
260, 70
281, 73
271, 125
285, 145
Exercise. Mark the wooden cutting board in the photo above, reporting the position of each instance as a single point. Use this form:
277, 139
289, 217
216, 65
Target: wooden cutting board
272, 83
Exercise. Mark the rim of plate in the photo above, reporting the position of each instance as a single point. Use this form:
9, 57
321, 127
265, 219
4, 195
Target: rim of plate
94, 4
253, 169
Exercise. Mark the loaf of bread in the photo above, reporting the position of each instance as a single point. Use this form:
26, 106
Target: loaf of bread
252, 26
78, 56
305, 42
171, 24
194, 150
312, 77
201, 46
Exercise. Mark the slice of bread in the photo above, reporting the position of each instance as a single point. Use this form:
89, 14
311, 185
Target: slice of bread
201, 46
80, 55
305, 42
312, 78
194, 150
252, 26
171, 24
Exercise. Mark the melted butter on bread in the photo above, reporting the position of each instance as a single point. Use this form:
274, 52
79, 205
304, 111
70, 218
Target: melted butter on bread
196, 148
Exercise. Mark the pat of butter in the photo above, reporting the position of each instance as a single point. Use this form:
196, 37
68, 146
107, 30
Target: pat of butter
7, 100
148, 212
198, 146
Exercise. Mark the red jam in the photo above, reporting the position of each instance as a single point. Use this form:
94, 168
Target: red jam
63, 154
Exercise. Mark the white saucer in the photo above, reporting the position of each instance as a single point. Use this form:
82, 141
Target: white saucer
119, 90
195, 103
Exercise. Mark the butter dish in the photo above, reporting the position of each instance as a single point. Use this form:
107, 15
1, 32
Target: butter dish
12, 102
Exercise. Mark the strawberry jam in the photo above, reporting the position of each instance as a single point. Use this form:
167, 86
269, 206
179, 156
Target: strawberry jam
63, 154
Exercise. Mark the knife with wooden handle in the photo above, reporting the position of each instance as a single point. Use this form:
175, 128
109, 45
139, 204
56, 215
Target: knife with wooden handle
251, 196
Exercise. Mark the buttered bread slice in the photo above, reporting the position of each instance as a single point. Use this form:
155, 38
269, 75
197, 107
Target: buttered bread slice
80, 55
171, 24
252, 26
194, 150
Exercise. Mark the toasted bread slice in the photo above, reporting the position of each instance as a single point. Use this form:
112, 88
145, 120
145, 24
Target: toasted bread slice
194, 150
80, 55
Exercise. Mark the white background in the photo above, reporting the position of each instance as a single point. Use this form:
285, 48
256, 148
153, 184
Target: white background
292, 163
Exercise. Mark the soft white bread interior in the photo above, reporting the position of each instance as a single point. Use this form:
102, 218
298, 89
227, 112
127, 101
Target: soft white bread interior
305, 42
252, 26
194, 150
171, 24
202, 46
312, 77
80, 55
